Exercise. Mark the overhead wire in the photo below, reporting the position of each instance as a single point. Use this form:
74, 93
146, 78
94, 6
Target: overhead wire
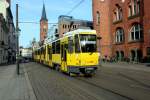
78, 4
28, 22
69, 12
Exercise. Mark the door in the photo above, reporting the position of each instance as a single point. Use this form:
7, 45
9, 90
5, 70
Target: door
63, 58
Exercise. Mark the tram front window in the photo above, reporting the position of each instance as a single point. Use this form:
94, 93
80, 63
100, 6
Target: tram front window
88, 43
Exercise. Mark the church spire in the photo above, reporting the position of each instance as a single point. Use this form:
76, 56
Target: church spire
44, 17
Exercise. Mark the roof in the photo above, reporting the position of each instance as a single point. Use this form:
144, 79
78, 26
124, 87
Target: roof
44, 17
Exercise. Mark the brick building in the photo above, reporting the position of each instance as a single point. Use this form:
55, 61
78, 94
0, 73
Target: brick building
129, 28
43, 25
102, 24
68, 23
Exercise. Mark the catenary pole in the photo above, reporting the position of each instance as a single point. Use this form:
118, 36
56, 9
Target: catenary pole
17, 33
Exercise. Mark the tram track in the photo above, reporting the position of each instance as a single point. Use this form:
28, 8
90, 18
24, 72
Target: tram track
134, 80
101, 87
107, 85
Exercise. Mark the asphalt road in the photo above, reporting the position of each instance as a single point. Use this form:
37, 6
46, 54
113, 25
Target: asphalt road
109, 83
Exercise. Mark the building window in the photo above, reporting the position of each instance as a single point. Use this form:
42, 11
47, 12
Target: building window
1, 52
44, 30
119, 35
130, 10
119, 55
138, 6
148, 51
75, 26
134, 7
118, 14
136, 32
97, 18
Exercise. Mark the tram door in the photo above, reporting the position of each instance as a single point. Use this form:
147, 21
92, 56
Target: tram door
63, 58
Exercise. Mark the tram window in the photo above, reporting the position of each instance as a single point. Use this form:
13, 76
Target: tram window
88, 43
44, 51
48, 48
58, 46
77, 46
50, 52
38, 52
70, 45
53, 47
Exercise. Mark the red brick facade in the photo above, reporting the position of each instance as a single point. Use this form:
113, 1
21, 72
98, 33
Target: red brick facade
129, 28
101, 8
43, 29
43, 25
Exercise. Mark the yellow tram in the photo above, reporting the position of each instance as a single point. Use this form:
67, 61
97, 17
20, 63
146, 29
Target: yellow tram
74, 53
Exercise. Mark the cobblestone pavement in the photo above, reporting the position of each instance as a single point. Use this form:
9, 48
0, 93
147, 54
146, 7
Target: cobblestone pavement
52, 85
12, 86
116, 82
131, 80
137, 66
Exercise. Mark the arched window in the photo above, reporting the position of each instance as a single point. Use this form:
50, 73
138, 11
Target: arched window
119, 35
136, 32
134, 7
118, 14
97, 18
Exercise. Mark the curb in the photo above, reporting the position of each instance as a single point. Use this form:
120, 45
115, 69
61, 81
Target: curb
31, 92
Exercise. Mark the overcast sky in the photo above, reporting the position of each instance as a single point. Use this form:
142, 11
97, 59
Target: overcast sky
31, 10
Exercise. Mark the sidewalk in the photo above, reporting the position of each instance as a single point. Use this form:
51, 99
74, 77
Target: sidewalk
14, 87
143, 67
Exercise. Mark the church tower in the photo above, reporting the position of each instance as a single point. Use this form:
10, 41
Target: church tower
43, 24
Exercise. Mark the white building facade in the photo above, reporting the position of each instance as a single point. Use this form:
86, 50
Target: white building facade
8, 39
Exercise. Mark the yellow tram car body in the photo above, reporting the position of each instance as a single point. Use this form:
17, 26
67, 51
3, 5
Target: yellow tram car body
76, 52
79, 61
